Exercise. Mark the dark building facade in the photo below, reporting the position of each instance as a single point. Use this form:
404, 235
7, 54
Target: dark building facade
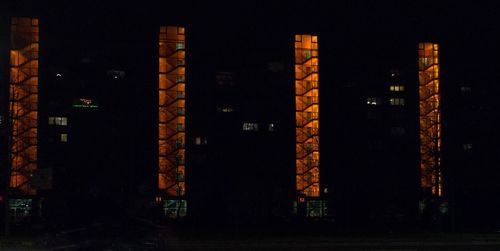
98, 122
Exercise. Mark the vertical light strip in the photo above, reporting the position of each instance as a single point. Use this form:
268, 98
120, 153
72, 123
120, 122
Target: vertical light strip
430, 118
171, 111
307, 115
23, 102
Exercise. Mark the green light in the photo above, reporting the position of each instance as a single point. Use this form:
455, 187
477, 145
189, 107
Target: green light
85, 103
86, 106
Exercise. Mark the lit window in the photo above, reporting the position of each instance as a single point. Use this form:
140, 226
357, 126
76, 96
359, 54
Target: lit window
179, 143
225, 109
200, 141
467, 147
64, 137
372, 101
394, 73
397, 101
271, 127
308, 55
397, 88
250, 127
424, 61
116, 74
180, 45
180, 78
63, 121
180, 127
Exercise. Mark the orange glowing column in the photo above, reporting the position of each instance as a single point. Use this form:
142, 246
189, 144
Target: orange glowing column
430, 118
23, 102
171, 111
307, 115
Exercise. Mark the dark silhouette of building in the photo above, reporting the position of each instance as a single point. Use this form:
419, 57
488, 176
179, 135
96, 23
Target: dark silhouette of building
97, 105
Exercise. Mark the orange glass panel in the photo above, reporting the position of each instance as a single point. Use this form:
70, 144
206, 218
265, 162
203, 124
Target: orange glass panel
171, 111
307, 115
23, 102
430, 118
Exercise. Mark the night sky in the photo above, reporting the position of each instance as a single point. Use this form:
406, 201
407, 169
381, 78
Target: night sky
469, 29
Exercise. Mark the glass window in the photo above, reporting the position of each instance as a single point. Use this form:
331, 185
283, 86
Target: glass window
397, 88
227, 109
180, 78
178, 143
250, 127
308, 54
271, 127
58, 121
424, 61
373, 101
180, 127
200, 141
397, 101
64, 137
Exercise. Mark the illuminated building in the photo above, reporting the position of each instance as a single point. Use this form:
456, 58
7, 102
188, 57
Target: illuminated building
307, 121
23, 103
249, 145
171, 172
430, 118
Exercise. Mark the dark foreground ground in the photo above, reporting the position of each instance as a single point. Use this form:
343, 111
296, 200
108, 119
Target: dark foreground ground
147, 236
407, 243
442, 242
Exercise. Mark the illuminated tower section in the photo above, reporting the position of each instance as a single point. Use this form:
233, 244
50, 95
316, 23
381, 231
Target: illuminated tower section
171, 129
430, 118
23, 106
307, 116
